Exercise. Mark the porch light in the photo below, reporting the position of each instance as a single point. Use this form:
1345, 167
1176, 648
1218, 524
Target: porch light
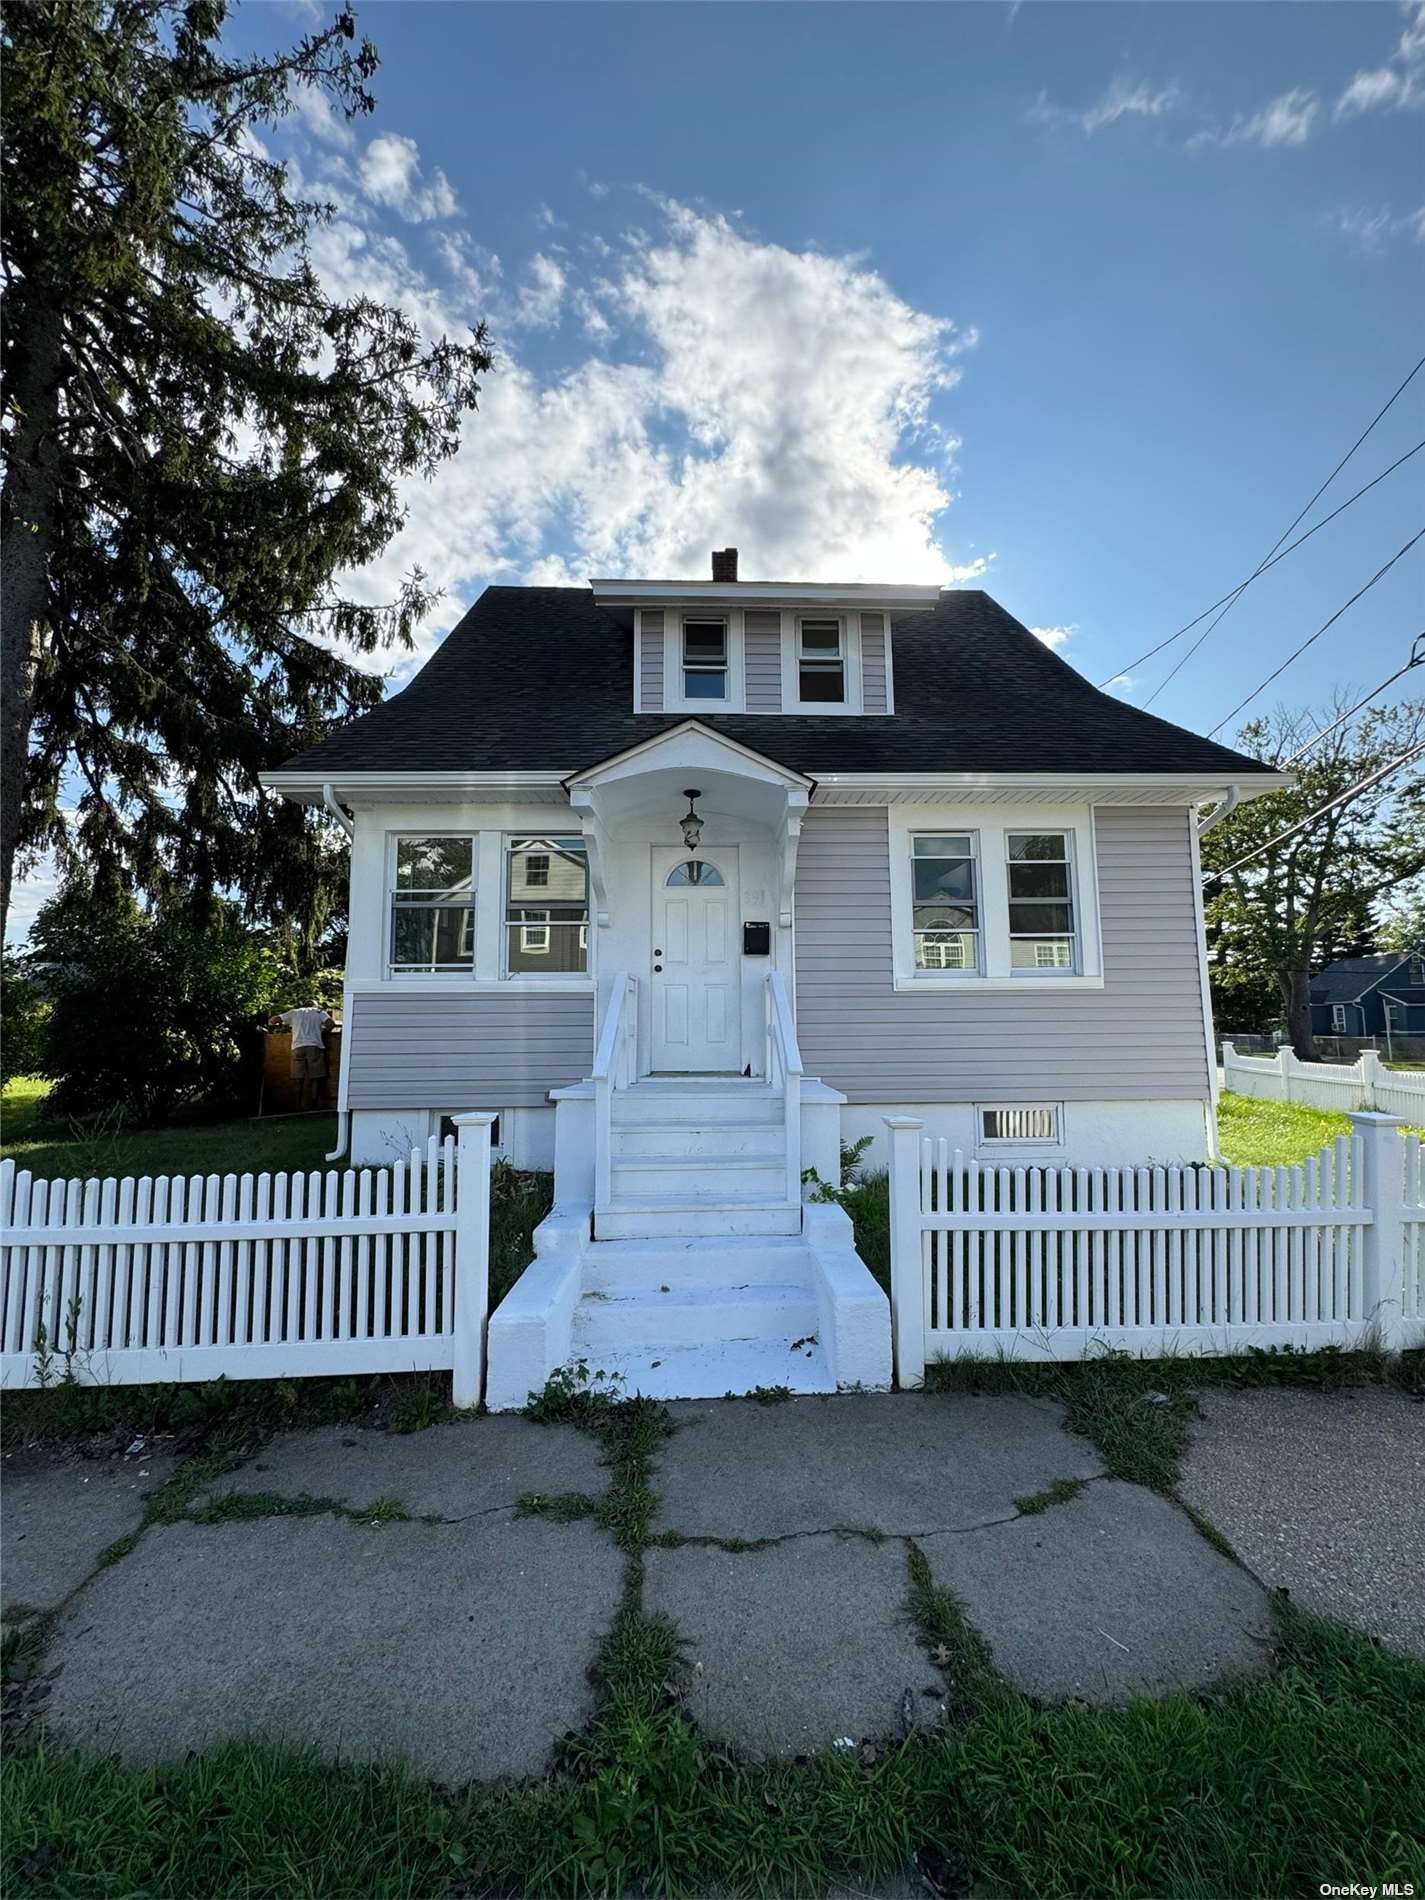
691, 823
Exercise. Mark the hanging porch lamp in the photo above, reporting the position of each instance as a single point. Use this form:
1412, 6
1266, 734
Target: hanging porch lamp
692, 825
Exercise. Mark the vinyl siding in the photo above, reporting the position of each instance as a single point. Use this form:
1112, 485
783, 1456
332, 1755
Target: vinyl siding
439, 1048
873, 662
1139, 1038
762, 650
650, 662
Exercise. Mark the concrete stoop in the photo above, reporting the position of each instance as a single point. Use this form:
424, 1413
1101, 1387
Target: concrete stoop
694, 1316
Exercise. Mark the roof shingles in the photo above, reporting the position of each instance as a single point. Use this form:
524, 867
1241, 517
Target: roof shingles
539, 678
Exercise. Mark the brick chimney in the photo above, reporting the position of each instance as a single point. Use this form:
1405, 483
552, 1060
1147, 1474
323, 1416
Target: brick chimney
724, 564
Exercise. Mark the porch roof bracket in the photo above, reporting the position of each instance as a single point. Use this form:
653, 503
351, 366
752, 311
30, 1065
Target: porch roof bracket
791, 838
596, 848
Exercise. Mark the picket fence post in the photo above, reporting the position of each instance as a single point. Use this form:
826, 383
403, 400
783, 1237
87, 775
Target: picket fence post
1383, 1241
472, 1257
907, 1252
1370, 1064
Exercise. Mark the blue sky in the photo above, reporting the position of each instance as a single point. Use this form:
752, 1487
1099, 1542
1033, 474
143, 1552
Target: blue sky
1076, 303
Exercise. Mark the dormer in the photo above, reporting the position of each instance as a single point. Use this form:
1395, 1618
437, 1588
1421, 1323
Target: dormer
814, 649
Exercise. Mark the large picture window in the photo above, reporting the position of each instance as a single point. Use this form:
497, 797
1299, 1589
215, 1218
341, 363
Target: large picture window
945, 902
547, 913
1040, 876
433, 905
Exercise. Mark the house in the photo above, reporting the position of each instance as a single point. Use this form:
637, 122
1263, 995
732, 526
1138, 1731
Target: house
692, 882
1370, 996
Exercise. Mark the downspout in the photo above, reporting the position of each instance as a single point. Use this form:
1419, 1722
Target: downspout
343, 1115
1225, 809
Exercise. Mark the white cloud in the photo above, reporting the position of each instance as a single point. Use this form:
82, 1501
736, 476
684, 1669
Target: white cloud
772, 399
541, 295
1121, 683
390, 175
1124, 99
1397, 84
316, 117
1370, 232
1285, 120
1054, 636
27, 897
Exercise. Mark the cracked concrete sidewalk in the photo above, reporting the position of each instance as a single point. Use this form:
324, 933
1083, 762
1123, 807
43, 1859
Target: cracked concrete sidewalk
462, 1640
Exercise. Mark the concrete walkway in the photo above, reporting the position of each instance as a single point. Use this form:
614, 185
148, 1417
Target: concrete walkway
1322, 1494
460, 1635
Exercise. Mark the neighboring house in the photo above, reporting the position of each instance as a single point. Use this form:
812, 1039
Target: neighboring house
693, 881
1370, 996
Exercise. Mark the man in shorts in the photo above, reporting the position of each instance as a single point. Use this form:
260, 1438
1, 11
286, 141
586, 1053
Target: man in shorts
309, 1054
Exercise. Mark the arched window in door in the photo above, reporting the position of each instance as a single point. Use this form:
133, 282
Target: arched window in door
692, 872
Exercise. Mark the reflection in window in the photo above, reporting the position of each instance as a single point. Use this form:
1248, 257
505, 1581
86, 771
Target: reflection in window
945, 906
550, 935
1041, 901
705, 659
821, 668
694, 873
433, 904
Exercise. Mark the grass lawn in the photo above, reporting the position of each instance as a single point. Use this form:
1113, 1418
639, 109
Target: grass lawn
51, 1146
1256, 1134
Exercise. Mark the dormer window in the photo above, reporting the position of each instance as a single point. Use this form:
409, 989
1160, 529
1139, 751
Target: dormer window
705, 659
821, 662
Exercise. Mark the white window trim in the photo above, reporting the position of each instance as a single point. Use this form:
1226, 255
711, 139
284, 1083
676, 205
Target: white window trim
792, 702
1002, 1144
488, 976
991, 823
1338, 1019
675, 699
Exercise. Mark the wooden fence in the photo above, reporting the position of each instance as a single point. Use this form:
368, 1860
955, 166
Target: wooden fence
188, 1277
1055, 1262
1364, 1083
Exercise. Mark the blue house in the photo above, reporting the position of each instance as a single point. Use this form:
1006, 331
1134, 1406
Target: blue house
1370, 996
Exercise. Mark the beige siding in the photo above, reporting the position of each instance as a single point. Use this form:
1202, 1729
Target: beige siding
762, 647
650, 662
1139, 1038
873, 662
441, 1049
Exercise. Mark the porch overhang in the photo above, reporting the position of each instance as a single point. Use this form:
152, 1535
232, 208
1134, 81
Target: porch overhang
651, 779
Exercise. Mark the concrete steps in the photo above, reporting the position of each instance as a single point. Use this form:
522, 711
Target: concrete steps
695, 1159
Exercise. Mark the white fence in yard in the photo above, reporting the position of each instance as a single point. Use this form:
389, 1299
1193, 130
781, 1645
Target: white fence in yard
187, 1277
1045, 1262
1364, 1083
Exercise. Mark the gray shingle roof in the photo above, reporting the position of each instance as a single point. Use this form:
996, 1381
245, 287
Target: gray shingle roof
1343, 982
541, 677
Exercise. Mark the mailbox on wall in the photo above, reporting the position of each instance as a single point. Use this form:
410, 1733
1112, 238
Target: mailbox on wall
757, 940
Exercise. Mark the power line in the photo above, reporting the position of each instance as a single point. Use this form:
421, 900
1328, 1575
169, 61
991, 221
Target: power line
1361, 785
1230, 600
1417, 658
1311, 639
1242, 586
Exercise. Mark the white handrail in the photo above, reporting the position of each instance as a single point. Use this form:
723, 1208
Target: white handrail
784, 1065
615, 1067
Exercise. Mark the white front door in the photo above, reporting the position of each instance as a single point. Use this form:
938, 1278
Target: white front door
697, 995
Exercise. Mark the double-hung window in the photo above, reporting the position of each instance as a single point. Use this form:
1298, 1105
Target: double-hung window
821, 663
945, 902
1040, 878
705, 659
549, 935
433, 905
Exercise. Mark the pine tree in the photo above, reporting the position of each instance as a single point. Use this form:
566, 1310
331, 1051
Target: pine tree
199, 440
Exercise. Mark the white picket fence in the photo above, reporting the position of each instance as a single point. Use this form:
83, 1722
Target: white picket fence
189, 1277
1056, 1262
1364, 1083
